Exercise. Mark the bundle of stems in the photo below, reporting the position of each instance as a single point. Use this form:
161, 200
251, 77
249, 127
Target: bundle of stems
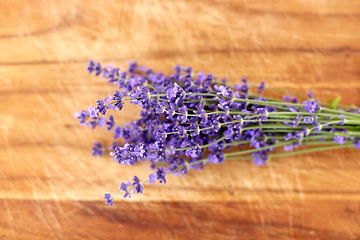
188, 120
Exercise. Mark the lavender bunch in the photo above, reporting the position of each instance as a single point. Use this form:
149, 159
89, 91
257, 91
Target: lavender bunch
189, 120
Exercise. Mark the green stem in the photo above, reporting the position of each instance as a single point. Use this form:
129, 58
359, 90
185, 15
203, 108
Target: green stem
202, 146
286, 154
311, 150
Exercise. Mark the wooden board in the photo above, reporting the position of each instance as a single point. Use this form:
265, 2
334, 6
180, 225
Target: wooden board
52, 188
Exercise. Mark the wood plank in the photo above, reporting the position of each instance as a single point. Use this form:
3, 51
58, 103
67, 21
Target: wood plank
282, 219
52, 188
166, 26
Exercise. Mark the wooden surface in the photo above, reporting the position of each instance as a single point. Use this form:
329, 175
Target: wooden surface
52, 188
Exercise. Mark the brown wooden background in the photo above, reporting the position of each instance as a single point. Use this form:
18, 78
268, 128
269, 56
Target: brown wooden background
52, 188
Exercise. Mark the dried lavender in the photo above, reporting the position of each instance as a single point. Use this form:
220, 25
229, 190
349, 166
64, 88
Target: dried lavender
188, 120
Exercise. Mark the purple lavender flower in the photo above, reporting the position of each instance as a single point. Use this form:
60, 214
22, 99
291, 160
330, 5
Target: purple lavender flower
113, 146
357, 144
182, 117
260, 158
141, 151
308, 120
124, 188
224, 104
229, 133
261, 87
299, 134
216, 125
98, 69
160, 174
170, 112
101, 106
98, 149
119, 98
339, 139
294, 109
258, 161
288, 136
93, 112
160, 108
106, 73
287, 98
243, 87
108, 99
188, 70
102, 122
118, 132
289, 147
138, 186
195, 128
216, 158
144, 96
152, 178
82, 116
255, 143
108, 199
93, 124
343, 121
132, 66
110, 123
309, 94
171, 95
194, 153
311, 106
225, 91
91, 66
201, 112
159, 154
118, 154
177, 69
160, 134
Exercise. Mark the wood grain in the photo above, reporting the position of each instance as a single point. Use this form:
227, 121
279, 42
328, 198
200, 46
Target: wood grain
52, 188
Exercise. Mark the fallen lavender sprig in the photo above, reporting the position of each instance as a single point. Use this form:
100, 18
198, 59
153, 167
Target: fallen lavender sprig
188, 120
